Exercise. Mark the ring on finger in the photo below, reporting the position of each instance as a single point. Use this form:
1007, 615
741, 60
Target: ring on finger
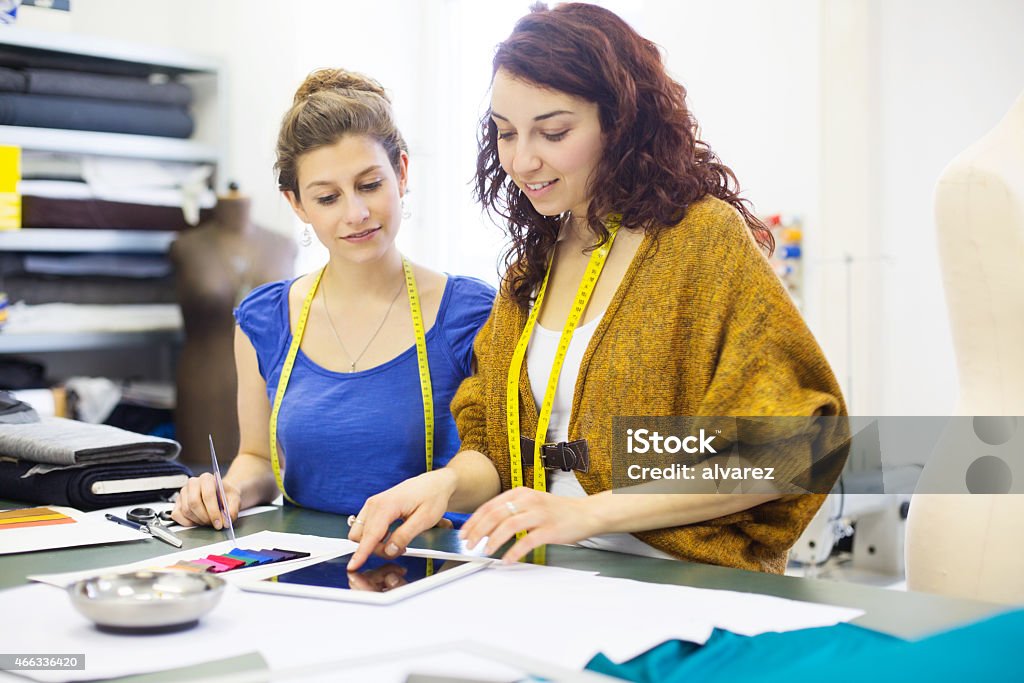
511, 507
353, 520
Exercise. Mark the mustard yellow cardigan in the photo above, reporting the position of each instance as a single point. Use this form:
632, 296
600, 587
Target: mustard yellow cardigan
700, 326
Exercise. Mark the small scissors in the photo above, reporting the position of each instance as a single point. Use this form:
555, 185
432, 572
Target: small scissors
151, 522
150, 516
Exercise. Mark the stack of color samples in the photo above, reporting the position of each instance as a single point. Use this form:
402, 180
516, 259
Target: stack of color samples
237, 559
28, 517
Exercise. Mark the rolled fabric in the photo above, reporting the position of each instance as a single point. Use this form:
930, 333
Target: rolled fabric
81, 113
93, 487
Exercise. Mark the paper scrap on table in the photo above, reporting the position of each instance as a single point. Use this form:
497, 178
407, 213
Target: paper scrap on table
494, 607
318, 547
447, 665
464, 552
468, 661
57, 532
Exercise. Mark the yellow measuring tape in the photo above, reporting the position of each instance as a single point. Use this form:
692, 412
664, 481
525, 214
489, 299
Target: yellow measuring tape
426, 390
421, 356
586, 288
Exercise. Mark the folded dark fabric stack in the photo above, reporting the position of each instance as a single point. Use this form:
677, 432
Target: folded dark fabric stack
88, 279
89, 290
112, 193
55, 461
98, 86
72, 100
51, 212
94, 487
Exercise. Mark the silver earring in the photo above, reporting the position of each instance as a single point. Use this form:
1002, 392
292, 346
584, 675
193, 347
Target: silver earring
406, 213
307, 237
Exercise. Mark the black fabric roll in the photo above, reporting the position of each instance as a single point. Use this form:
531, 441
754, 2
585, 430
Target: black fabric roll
80, 113
104, 87
73, 487
13, 81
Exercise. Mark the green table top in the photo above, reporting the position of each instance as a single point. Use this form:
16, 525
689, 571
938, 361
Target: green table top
905, 614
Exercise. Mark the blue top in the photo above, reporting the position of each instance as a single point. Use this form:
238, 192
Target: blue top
347, 436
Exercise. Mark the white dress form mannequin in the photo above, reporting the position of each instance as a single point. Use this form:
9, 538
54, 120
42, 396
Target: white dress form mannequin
971, 545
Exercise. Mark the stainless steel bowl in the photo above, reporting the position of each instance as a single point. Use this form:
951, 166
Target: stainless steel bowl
146, 601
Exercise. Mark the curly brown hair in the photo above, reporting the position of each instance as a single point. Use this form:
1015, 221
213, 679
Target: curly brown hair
653, 166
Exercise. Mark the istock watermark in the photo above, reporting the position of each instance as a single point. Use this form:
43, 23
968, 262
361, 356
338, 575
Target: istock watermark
646, 441
794, 455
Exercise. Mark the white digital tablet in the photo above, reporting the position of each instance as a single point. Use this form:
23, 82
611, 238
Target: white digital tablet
379, 581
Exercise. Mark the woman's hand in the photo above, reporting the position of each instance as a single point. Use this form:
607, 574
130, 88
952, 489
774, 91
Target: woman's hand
197, 502
548, 519
421, 501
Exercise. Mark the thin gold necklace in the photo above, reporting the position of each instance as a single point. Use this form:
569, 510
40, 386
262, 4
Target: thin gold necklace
327, 310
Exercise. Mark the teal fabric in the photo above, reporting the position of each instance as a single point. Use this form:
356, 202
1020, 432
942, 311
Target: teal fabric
989, 650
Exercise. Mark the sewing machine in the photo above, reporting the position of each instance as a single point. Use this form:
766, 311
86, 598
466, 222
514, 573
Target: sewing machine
862, 532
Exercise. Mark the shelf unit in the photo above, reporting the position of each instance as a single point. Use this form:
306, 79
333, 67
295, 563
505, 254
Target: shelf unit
108, 144
86, 341
26, 47
100, 241
205, 75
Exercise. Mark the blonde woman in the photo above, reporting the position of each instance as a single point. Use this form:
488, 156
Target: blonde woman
350, 366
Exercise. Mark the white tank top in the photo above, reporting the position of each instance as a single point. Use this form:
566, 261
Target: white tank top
540, 356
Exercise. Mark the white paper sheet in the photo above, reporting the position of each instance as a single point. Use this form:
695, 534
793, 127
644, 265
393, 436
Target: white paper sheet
85, 531
453, 661
448, 662
559, 615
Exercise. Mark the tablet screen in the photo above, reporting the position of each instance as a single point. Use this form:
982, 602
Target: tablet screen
378, 574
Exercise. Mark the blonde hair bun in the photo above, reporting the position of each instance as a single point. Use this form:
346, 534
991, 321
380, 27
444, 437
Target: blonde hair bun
330, 104
323, 80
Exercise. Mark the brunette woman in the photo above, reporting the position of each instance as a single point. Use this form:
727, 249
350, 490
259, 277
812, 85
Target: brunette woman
591, 157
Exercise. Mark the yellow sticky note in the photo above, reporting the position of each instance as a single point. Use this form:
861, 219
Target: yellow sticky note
10, 168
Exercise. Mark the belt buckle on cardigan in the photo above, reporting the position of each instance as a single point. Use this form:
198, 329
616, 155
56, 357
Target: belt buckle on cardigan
562, 455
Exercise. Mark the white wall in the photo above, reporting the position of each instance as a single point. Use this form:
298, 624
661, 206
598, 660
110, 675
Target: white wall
846, 112
750, 68
949, 71
751, 72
